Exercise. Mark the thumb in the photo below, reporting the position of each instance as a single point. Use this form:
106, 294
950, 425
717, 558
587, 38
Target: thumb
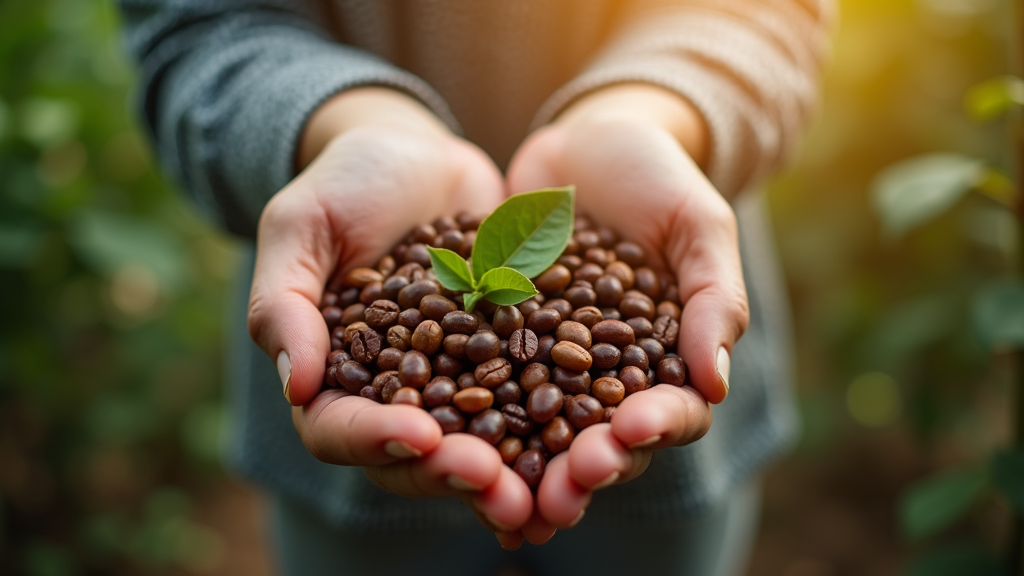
295, 254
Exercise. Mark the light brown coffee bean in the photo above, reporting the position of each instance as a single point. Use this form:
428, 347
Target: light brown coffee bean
553, 280
400, 337
571, 355
427, 337
533, 375
610, 391
474, 399
410, 396
507, 319
493, 372
360, 277
557, 435
613, 332
414, 369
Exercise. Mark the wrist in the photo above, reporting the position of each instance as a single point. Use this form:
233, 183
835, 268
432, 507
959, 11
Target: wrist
360, 107
648, 104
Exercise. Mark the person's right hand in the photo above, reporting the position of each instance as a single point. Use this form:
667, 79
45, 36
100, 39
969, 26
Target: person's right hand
378, 164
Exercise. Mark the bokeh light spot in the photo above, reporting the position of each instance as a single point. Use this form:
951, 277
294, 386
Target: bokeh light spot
134, 290
873, 399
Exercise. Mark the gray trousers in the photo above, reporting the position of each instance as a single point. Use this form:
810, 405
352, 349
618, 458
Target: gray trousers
716, 543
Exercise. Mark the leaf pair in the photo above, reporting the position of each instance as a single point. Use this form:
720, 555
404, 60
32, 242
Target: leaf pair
518, 241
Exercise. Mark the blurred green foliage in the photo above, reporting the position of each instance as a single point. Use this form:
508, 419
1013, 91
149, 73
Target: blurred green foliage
111, 298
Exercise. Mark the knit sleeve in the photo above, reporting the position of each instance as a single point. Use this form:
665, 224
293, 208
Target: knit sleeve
227, 86
749, 66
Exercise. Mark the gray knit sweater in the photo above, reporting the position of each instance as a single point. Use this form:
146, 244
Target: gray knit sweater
228, 84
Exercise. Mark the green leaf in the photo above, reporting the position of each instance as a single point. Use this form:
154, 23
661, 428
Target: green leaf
1008, 476
936, 502
994, 97
998, 314
470, 299
958, 559
506, 286
451, 270
527, 232
916, 190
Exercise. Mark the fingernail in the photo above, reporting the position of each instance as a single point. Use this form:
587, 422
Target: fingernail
462, 484
400, 449
645, 443
578, 518
723, 367
284, 370
497, 525
611, 479
504, 547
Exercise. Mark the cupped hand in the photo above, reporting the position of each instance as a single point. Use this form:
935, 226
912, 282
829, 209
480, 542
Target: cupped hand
633, 174
360, 194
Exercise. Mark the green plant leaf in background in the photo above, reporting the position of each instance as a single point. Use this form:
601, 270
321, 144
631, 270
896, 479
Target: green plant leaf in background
469, 300
1008, 476
998, 314
939, 500
918, 189
506, 286
960, 559
527, 232
451, 270
994, 97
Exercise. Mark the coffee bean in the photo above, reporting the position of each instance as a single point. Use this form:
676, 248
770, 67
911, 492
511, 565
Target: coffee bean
575, 332
449, 419
647, 282
427, 337
522, 345
389, 358
436, 306
387, 392
533, 375
510, 448
530, 467
543, 320
589, 272
412, 295
439, 391
558, 435
465, 380
410, 318
634, 355
507, 319
352, 314
352, 376
332, 316
455, 345
605, 356
351, 330
366, 346
571, 355
459, 322
380, 380
411, 271
609, 290
588, 316
570, 261
468, 221
580, 296
410, 396
633, 307
633, 378
507, 392
583, 410
642, 327
371, 292
598, 256
369, 393
400, 337
329, 298
418, 253
631, 253
489, 425
587, 238
666, 331
623, 272
613, 332
553, 280
528, 307
610, 391
347, 297
562, 305
493, 372
671, 371
386, 265
446, 365
360, 277
337, 357
414, 370
655, 351
535, 442
611, 314
668, 308
473, 399
483, 346
517, 420
671, 294
571, 381
445, 223
468, 237
544, 402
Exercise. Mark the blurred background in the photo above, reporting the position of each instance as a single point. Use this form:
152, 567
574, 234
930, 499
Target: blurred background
900, 248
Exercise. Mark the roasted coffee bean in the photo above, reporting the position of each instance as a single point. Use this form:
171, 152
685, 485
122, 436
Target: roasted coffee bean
444, 224
410, 396
391, 385
571, 381
530, 467
666, 331
668, 308
465, 380
544, 345
410, 318
455, 345
483, 346
580, 296
609, 290
522, 345
352, 314
528, 307
535, 442
671, 293
371, 292
642, 327
351, 330
366, 346
562, 305
608, 237
412, 272
400, 337
329, 298
381, 314
613, 332
414, 370
507, 392
634, 355
332, 316
459, 322
534, 375
587, 238
423, 233
583, 410
386, 265
493, 372
610, 391
671, 371
439, 391
623, 272
558, 435
435, 307
468, 221
427, 337
589, 272
338, 338
655, 351
412, 295
647, 282
570, 261
473, 399
544, 403
352, 376
517, 420
489, 425
611, 314
348, 297
371, 394
553, 280
605, 356
507, 319
571, 355
418, 253
381, 380
575, 332
468, 237
452, 240
587, 316
543, 320
389, 358
633, 378
633, 307
449, 419
609, 411
446, 365
598, 256
510, 448
360, 277
337, 357
631, 253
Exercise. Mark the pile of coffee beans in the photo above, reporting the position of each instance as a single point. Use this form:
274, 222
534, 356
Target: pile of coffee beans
525, 378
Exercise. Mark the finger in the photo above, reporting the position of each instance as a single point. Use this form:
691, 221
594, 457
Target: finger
662, 416
460, 463
597, 459
560, 500
339, 428
294, 256
510, 540
505, 505
537, 530
531, 167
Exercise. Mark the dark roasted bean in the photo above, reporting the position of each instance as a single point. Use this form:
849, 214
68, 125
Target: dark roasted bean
553, 280
445, 365
468, 237
507, 319
352, 314
391, 385
647, 282
611, 314
528, 307
493, 372
510, 448
423, 233
666, 331
412, 295
655, 351
452, 240
465, 380
468, 221
489, 425
371, 394
623, 272
543, 320
381, 314
558, 435
587, 316
605, 356
598, 256
571, 381
366, 345
534, 375
517, 420
410, 318
631, 253
609, 290
634, 355
455, 345
544, 402
389, 358
610, 391
414, 369
351, 330
633, 378
562, 305
449, 419
522, 345
507, 392
483, 346
633, 307
459, 322
352, 376
473, 399
571, 331
671, 294
580, 296
418, 253
544, 345
382, 379
571, 355
642, 327
400, 337
444, 224
337, 357
439, 391
583, 410
671, 371
410, 396
589, 272
371, 292
571, 261
332, 316
427, 337
411, 271
348, 297
534, 442
329, 298
613, 332
436, 307
586, 238
530, 467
